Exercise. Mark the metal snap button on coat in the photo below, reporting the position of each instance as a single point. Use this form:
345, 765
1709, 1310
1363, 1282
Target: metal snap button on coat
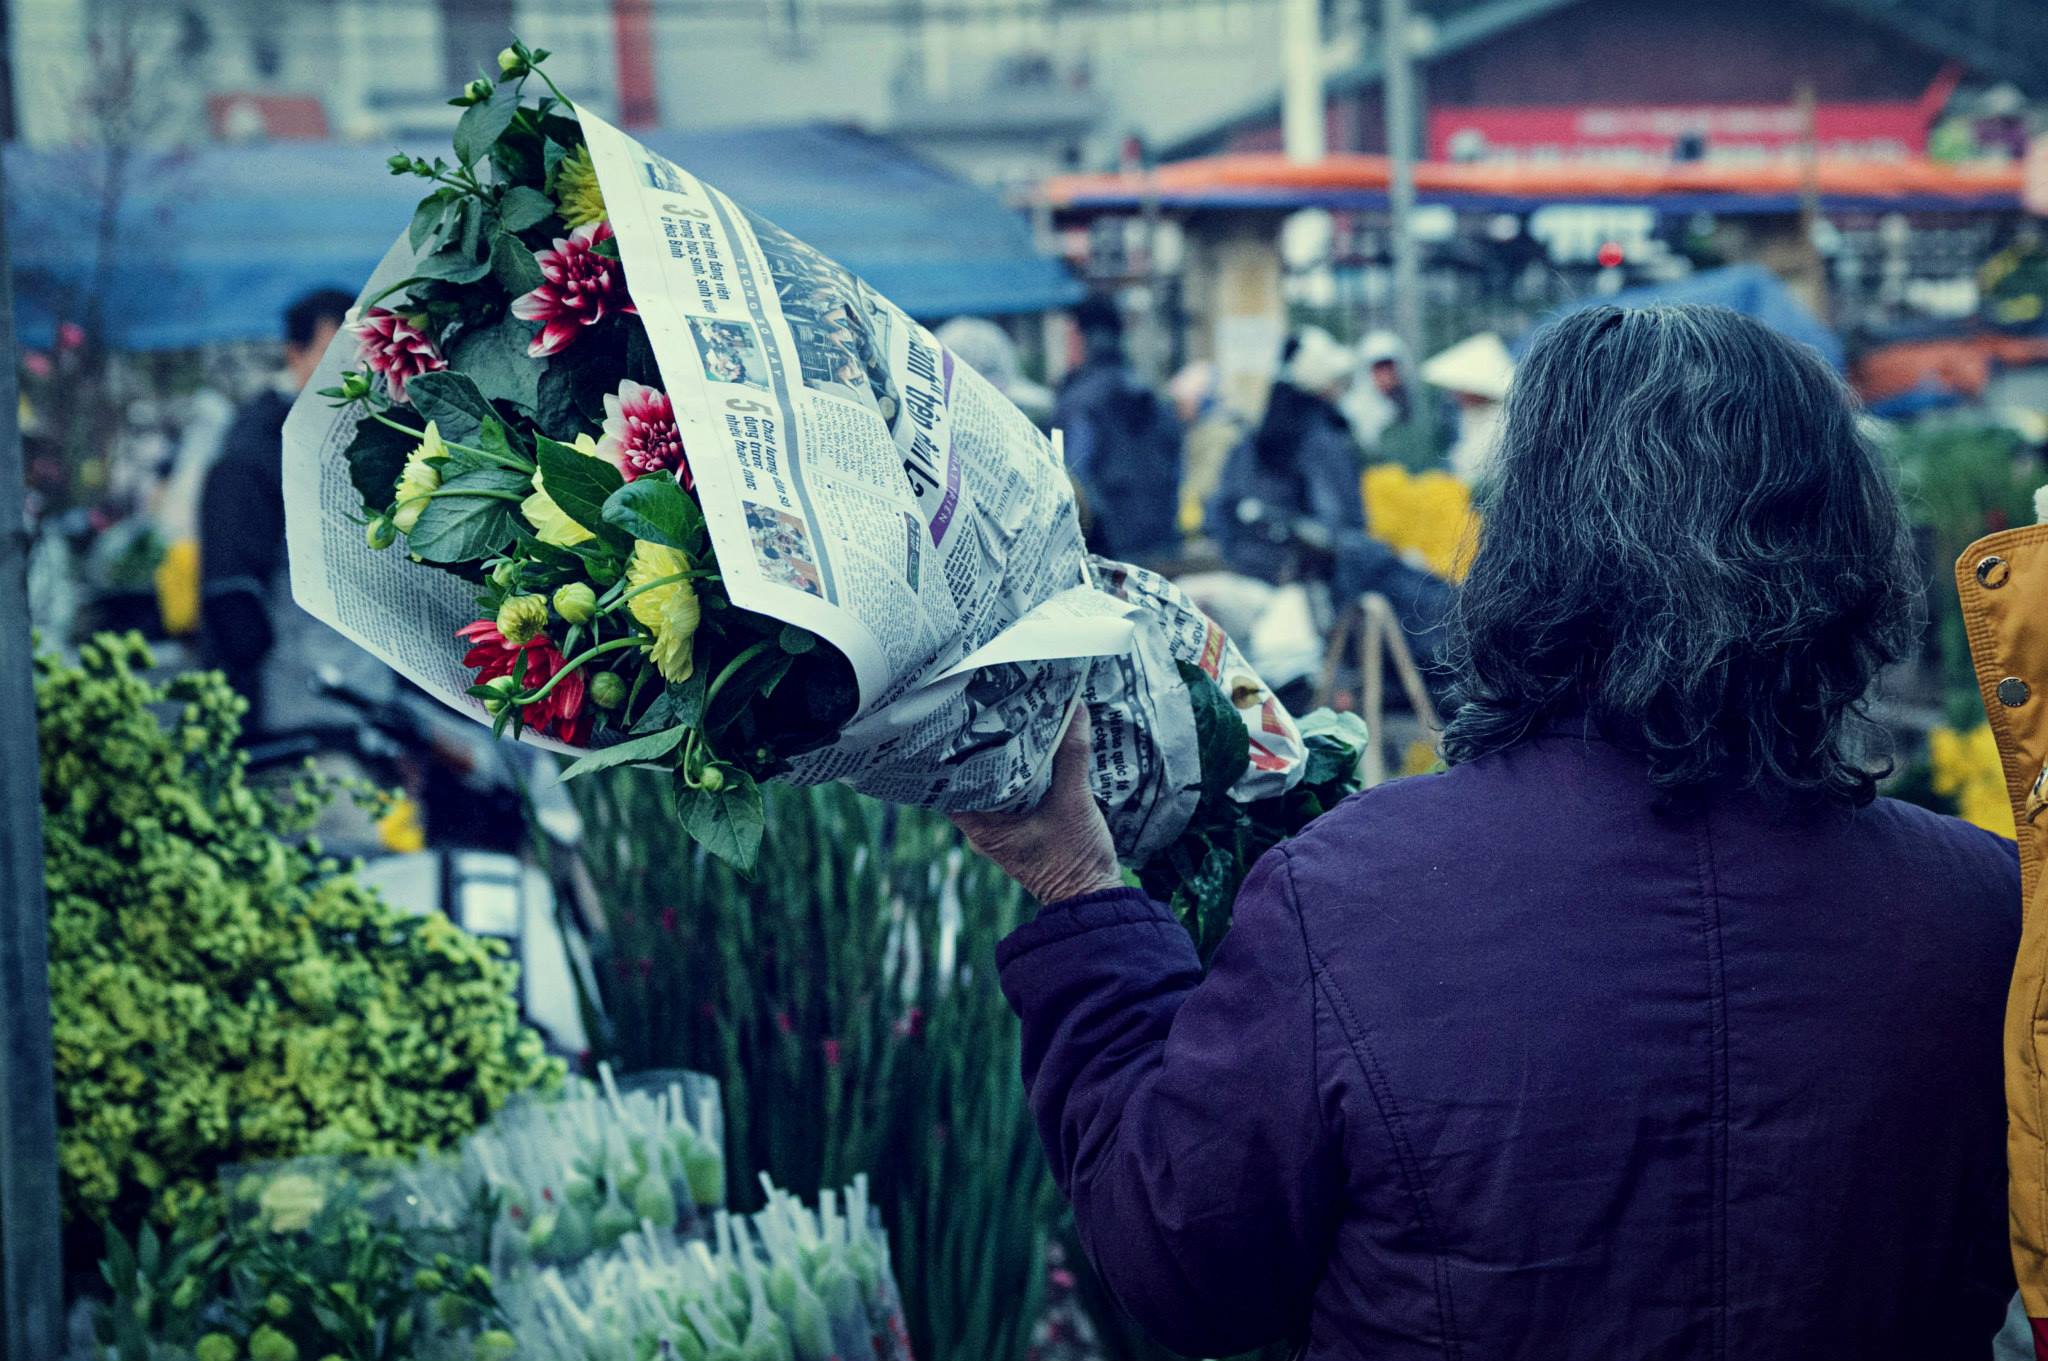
2013, 692
1993, 572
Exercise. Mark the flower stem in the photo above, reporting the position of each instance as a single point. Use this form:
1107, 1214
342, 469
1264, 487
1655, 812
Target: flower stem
569, 668
488, 492
669, 580
515, 464
741, 658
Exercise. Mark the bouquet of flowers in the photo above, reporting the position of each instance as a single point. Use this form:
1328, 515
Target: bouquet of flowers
700, 498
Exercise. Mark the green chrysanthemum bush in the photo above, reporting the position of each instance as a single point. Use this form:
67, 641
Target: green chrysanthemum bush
221, 991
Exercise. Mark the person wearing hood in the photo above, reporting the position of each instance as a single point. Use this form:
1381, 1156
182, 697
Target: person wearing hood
1123, 445
1290, 493
1476, 372
988, 350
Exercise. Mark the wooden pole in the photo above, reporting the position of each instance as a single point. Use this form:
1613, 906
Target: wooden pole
31, 1280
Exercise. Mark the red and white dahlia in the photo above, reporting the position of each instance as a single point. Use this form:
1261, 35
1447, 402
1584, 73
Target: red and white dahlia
394, 347
491, 655
640, 433
580, 288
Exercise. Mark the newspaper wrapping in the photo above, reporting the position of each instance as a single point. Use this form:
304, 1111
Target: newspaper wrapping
861, 482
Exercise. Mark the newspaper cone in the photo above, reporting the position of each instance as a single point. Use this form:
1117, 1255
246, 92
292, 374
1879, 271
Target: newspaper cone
857, 481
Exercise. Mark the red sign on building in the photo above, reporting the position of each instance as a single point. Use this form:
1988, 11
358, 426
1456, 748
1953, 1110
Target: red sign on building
1894, 130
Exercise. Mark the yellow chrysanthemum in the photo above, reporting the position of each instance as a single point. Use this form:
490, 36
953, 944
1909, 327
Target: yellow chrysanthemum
551, 524
670, 610
1967, 769
579, 199
420, 479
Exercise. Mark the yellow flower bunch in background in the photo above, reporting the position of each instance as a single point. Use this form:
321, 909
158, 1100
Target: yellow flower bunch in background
1429, 514
1967, 770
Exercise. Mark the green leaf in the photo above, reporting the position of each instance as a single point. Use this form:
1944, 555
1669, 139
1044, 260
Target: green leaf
726, 823
796, 641
608, 248
1220, 734
376, 456
755, 680
495, 359
652, 747
478, 221
428, 218
516, 269
681, 702
453, 266
469, 517
580, 485
654, 508
557, 412
523, 207
483, 124
453, 402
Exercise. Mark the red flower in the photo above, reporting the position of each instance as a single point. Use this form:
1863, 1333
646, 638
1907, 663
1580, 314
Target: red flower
396, 348
70, 336
831, 1048
579, 288
669, 919
640, 434
562, 713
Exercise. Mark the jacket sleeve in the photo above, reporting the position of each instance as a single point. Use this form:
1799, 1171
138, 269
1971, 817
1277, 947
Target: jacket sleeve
1181, 1114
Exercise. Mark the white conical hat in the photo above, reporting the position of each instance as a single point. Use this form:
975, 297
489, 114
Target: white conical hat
1479, 365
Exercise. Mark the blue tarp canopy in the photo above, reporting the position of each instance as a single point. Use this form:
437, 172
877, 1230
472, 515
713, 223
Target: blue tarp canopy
210, 245
1749, 289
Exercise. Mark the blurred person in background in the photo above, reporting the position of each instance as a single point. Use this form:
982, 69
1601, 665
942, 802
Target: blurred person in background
269, 648
1385, 408
1476, 372
1212, 429
1289, 498
1123, 444
989, 351
1646, 1030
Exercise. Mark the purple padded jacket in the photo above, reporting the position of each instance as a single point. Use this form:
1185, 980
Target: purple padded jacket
1506, 1063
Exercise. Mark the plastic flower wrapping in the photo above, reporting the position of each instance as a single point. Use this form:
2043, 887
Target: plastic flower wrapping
575, 1175
620, 466
586, 1226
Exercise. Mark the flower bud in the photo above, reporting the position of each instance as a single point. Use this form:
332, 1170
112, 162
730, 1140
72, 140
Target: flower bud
268, 1344
491, 1345
502, 689
216, 1347
428, 1280
400, 163
510, 63
712, 780
380, 533
576, 602
480, 1276
277, 1306
477, 91
522, 618
607, 691
504, 574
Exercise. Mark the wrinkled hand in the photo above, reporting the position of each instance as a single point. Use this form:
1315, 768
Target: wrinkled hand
1062, 848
